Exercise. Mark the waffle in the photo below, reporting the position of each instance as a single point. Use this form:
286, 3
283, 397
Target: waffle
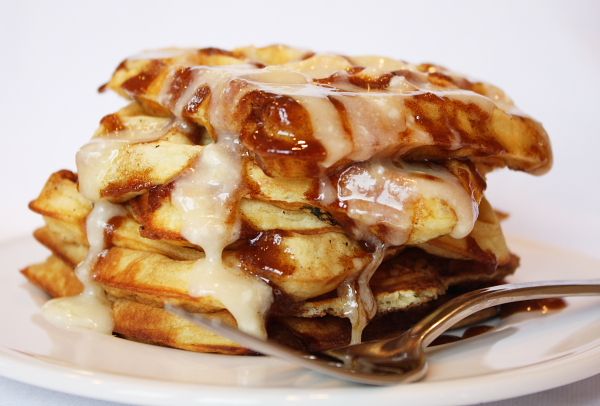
314, 199
339, 108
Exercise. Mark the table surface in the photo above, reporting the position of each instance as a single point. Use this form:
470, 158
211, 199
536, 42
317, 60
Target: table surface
582, 393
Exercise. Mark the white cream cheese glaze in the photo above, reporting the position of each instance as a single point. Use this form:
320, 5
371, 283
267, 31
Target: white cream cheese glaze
90, 309
206, 197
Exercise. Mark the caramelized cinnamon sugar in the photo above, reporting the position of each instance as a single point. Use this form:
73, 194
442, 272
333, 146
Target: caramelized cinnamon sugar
142, 81
112, 123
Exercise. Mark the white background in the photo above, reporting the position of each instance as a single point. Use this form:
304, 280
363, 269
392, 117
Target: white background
544, 54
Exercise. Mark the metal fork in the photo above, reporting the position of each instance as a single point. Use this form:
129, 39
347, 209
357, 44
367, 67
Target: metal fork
401, 359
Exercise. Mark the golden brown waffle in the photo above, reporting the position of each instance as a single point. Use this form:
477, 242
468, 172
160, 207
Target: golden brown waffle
331, 196
428, 111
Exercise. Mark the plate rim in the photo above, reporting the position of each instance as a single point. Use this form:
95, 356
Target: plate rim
129, 389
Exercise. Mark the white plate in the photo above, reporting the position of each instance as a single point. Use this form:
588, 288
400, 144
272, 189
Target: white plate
527, 353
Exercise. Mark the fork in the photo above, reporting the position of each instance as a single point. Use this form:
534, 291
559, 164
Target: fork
400, 359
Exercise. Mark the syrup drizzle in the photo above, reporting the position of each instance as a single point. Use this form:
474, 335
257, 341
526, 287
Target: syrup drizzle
359, 303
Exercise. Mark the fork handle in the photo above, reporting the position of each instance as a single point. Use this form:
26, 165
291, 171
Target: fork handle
447, 315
